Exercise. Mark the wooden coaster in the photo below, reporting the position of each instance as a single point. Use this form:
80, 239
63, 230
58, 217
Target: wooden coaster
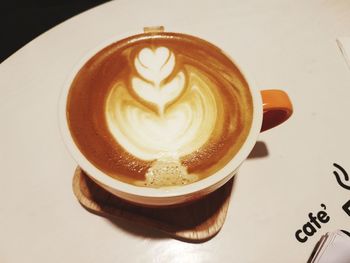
194, 222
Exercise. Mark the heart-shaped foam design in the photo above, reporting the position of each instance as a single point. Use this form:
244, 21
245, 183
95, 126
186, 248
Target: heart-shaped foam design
155, 65
159, 96
162, 133
153, 59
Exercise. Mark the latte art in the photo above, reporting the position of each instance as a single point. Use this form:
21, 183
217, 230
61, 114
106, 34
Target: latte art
160, 110
184, 119
154, 67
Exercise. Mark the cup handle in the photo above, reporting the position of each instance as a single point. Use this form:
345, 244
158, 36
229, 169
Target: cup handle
277, 108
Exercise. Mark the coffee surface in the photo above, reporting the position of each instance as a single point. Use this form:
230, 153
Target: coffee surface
159, 109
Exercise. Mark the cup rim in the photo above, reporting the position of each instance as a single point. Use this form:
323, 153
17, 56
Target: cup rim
225, 173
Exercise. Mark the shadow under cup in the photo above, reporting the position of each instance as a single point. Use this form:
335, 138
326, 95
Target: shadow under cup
163, 118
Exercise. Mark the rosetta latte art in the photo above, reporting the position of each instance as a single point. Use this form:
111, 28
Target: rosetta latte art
159, 109
183, 121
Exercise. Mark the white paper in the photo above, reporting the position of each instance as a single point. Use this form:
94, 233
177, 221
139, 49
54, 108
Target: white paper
334, 247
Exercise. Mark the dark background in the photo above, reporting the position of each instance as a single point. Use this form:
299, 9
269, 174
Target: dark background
21, 21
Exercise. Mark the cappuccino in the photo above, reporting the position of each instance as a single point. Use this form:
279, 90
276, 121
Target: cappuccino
159, 109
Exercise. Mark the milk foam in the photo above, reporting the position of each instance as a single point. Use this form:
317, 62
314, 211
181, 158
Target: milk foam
168, 172
186, 114
155, 65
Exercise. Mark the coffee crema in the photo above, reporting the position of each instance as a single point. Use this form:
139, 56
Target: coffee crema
159, 109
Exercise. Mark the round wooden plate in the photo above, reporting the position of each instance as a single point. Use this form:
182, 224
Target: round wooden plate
194, 222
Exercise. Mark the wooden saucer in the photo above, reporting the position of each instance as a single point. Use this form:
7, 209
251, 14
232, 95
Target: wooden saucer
194, 222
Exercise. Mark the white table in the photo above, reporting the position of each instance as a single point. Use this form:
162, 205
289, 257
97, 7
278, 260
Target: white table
285, 44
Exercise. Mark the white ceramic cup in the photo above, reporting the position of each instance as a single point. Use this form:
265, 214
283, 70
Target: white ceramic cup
272, 106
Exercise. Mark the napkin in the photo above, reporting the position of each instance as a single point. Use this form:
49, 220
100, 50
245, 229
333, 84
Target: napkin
344, 45
333, 247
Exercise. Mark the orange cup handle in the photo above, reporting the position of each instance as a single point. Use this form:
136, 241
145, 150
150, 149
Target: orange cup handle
277, 108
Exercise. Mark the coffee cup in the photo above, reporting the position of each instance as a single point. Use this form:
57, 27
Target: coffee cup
162, 118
